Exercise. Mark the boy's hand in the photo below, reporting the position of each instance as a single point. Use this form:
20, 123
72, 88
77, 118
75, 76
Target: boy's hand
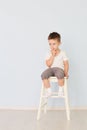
66, 75
53, 52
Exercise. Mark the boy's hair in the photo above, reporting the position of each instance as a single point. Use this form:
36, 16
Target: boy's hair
54, 35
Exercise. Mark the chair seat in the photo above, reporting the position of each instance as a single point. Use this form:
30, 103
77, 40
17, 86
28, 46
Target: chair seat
54, 79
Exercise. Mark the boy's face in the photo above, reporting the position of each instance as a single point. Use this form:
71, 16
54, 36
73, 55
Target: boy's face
54, 44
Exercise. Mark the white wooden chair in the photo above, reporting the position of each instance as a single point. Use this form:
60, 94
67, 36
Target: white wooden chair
43, 99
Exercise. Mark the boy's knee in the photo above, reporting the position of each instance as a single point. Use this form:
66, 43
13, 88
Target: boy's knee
44, 76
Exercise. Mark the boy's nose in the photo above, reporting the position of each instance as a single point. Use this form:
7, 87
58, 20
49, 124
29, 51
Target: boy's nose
52, 48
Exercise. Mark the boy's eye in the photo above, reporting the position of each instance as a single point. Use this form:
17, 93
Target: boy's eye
52, 44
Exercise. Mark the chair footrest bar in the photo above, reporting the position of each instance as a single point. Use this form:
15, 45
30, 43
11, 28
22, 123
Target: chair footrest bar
43, 104
54, 96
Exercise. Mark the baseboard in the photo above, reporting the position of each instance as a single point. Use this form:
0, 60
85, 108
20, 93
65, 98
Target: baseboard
35, 108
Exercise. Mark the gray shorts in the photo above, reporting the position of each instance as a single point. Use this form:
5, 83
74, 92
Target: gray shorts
55, 71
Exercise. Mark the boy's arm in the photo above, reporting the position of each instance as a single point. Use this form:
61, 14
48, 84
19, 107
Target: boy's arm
49, 62
66, 68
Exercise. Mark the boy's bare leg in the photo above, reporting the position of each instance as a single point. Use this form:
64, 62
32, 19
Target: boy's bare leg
61, 85
46, 83
61, 82
47, 86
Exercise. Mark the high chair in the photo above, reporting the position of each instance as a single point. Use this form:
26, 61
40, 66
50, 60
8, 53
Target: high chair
43, 99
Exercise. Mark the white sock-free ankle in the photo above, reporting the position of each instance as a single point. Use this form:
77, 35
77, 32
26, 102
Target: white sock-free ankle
60, 88
48, 90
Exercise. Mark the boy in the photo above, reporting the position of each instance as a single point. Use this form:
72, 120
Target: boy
57, 63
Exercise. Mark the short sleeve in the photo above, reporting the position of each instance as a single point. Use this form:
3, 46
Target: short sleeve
65, 56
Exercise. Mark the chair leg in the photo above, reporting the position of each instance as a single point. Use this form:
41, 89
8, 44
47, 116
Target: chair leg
40, 104
45, 106
66, 100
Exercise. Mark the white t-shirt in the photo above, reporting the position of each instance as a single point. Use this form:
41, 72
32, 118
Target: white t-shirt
58, 60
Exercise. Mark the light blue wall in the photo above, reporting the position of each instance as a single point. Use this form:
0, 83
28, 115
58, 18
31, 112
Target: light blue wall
24, 27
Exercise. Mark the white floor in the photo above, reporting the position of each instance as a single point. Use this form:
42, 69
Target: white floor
53, 120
